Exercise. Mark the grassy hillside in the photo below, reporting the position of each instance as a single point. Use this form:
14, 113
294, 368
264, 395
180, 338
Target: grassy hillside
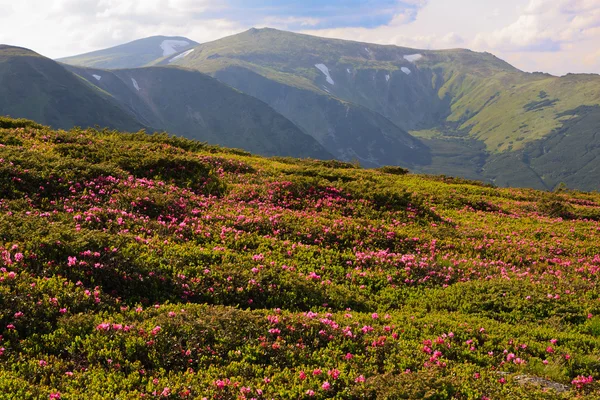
133, 54
153, 266
32, 86
199, 107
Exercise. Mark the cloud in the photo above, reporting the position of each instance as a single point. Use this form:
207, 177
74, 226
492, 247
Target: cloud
546, 26
66, 27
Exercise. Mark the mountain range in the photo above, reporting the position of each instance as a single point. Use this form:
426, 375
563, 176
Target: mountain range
454, 112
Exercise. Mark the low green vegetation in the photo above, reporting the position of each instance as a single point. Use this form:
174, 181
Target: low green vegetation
149, 266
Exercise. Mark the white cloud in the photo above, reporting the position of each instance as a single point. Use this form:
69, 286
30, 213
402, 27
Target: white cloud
546, 25
66, 27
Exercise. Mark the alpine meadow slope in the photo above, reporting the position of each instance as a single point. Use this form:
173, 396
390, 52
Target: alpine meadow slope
478, 116
150, 266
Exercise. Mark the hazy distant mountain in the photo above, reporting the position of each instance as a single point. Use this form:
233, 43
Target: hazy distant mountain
187, 103
134, 54
454, 112
480, 117
35, 87
197, 106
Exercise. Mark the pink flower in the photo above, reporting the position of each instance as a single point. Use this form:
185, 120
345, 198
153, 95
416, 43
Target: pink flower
549, 349
360, 379
334, 373
581, 381
326, 385
374, 315
43, 363
54, 395
317, 372
302, 375
310, 392
348, 356
103, 327
553, 341
155, 330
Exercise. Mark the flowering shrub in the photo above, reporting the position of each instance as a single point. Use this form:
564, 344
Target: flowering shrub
146, 266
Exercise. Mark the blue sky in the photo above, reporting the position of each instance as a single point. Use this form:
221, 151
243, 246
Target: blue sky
316, 14
556, 36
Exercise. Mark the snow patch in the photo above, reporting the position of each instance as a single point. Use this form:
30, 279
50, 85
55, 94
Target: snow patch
169, 46
387, 78
323, 68
413, 57
367, 49
98, 77
180, 56
348, 69
135, 84
406, 70
327, 90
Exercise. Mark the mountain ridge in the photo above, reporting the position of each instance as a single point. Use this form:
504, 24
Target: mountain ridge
37, 88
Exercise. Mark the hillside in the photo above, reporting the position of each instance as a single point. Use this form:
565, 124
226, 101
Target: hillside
35, 87
478, 116
133, 54
199, 107
188, 103
137, 265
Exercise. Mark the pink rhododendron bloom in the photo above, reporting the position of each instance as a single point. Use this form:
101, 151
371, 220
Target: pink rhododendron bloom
326, 385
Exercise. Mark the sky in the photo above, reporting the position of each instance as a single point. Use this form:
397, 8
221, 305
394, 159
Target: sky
555, 36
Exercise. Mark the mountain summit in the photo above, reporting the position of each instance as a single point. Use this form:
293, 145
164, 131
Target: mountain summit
133, 54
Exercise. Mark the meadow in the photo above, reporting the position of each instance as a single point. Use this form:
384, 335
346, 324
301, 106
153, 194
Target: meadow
149, 266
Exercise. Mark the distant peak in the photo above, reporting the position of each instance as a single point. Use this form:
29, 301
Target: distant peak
16, 51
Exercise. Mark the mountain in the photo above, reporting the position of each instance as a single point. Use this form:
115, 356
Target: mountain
35, 87
199, 107
478, 116
133, 54
186, 103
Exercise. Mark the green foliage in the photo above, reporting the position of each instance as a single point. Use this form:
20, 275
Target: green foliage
136, 265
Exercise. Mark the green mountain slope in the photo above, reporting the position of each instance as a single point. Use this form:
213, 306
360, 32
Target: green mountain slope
133, 54
197, 106
468, 108
188, 103
32, 86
